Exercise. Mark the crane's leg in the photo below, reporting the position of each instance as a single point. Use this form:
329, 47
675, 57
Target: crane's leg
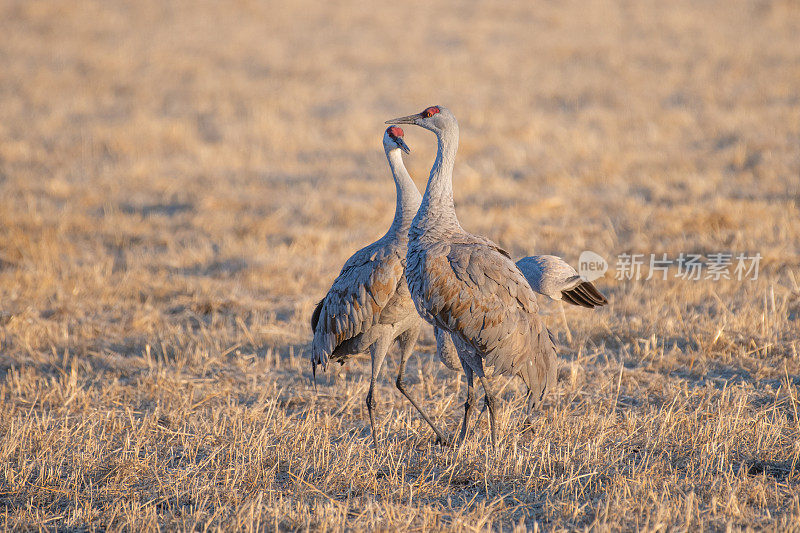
378, 352
469, 404
490, 403
407, 341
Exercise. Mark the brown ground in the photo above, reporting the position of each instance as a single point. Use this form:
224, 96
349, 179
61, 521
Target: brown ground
181, 181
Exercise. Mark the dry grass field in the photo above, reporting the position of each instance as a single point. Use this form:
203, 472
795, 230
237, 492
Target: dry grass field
181, 181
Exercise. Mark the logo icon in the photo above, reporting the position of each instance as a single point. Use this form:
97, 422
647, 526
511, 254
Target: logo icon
591, 265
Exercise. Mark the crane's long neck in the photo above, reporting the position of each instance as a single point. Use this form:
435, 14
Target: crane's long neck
437, 209
408, 197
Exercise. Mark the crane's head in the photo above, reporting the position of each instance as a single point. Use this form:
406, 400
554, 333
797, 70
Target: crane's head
393, 139
435, 118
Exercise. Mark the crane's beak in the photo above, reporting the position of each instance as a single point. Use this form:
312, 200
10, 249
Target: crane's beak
410, 119
402, 144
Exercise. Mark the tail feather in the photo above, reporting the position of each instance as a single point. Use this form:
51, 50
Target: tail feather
540, 373
314, 322
314, 374
315, 315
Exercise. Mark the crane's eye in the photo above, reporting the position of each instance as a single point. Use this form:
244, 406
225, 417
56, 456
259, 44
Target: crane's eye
428, 113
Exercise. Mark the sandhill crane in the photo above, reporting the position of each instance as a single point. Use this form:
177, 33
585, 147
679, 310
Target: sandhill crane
468, 286
369, 306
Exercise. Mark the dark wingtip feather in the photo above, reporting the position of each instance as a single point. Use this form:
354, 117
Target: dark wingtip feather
567, 297
586, 295
596, 294
315, 316
574, 297
591, 293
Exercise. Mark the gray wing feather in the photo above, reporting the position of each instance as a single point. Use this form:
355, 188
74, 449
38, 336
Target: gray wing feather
475, 292
354, 302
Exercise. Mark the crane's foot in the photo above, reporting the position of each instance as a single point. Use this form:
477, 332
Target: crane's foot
442, 440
